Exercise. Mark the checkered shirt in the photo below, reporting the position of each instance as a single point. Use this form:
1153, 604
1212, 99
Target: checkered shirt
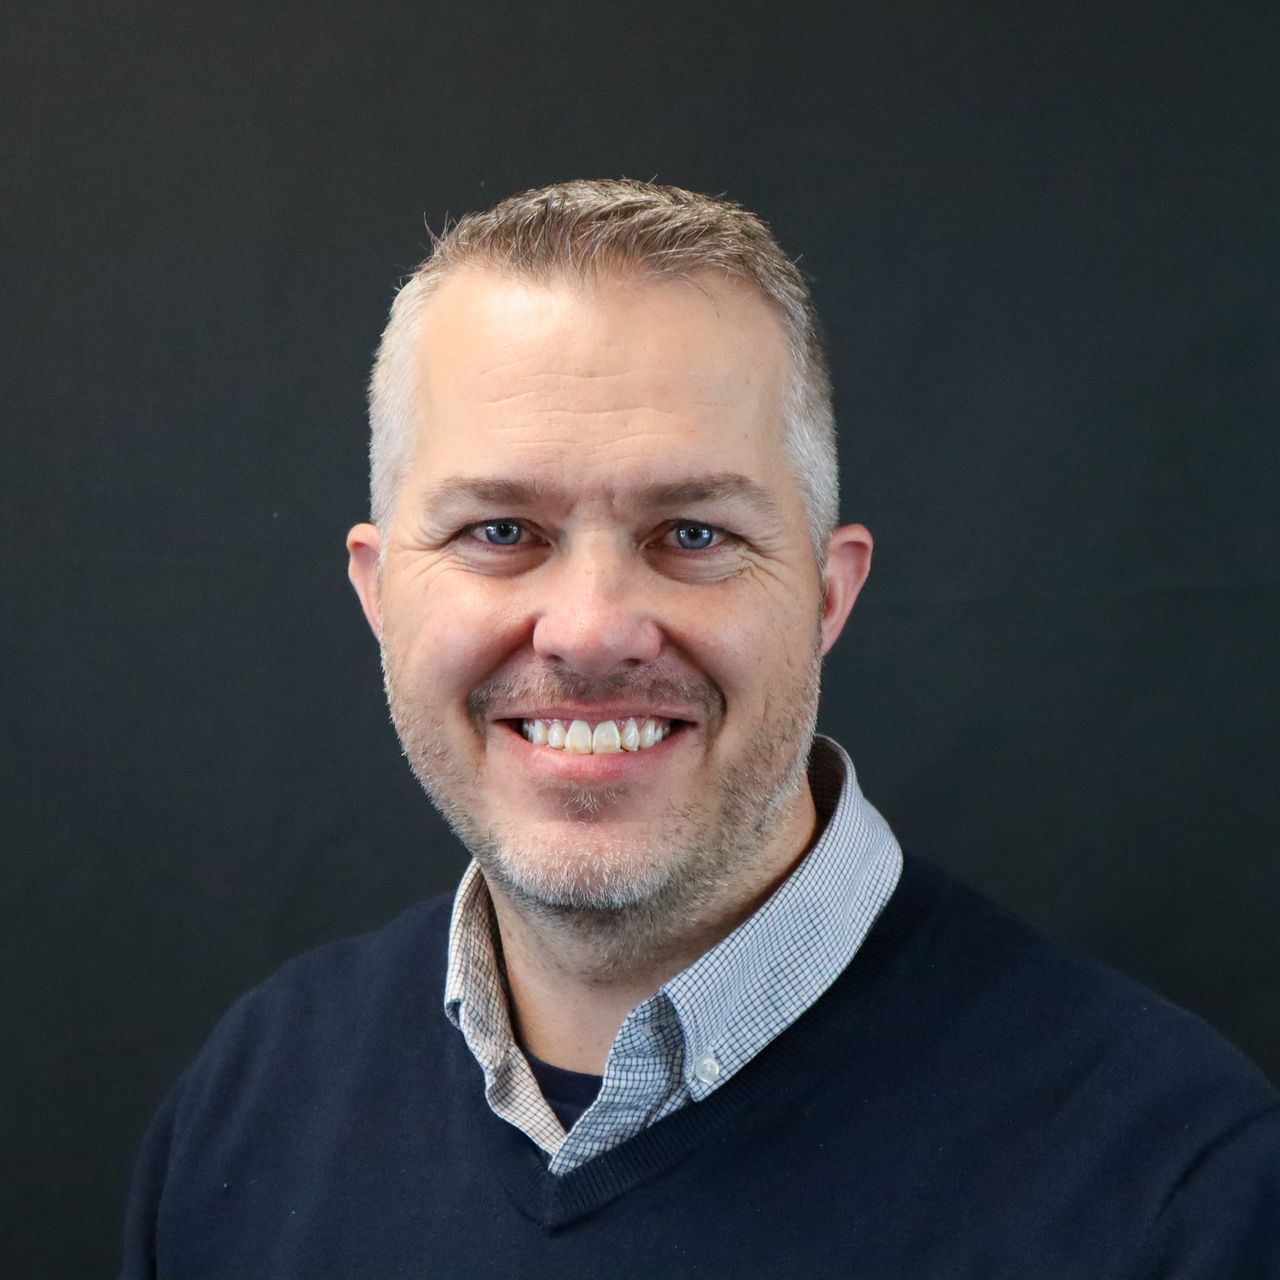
708, 1021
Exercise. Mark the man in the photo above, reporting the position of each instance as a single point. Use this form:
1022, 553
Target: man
690, 1012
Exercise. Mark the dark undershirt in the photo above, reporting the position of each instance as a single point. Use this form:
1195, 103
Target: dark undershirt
568, 1093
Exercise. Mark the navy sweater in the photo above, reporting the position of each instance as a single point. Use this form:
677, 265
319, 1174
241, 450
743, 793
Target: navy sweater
968, 1099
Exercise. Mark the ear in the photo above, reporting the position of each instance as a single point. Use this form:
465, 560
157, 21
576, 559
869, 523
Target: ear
848, 563
364, 546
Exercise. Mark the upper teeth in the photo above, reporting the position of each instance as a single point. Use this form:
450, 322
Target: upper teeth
579, 738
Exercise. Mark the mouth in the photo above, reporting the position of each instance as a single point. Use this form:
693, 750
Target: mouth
613, 743
581, 737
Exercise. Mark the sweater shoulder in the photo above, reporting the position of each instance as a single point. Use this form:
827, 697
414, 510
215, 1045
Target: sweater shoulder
1003, 984
368, 990
348, 971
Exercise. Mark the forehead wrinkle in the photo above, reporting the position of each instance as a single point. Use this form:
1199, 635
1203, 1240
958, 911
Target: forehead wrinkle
537, 392
495, 398
478, 376
625, 411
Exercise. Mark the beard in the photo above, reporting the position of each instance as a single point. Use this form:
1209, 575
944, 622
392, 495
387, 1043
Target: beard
628, 895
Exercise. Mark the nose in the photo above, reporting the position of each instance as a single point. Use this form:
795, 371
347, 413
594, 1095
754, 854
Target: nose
594, 614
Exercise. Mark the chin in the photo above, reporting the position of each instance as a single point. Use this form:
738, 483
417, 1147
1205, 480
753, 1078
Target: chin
580, 867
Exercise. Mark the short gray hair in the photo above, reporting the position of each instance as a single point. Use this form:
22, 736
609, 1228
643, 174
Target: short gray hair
587, 229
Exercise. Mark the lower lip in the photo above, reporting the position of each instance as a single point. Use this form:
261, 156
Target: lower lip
609, 766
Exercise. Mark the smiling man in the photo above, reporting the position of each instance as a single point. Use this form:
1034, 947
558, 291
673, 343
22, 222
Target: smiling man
690, 1011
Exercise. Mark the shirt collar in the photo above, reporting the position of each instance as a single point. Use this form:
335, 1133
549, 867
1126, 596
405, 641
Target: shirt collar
754, 983
475, 998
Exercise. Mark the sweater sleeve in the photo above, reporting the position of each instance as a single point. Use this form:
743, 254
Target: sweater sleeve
146, 1189
1223, 1218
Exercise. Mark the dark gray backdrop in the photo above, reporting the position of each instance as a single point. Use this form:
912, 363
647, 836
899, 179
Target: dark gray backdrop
1043, 238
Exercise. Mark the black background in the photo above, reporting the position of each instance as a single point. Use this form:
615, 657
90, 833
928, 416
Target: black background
1043, 239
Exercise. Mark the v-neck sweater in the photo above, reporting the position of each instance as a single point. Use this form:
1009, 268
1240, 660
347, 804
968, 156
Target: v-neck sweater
967, 1099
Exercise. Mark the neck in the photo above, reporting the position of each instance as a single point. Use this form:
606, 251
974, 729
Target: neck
574, 976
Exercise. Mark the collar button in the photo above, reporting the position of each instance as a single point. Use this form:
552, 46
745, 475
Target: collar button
707, 1069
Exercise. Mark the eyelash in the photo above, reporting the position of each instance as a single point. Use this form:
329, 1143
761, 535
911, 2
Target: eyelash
475, 533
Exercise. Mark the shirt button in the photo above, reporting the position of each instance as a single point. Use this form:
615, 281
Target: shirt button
707, 1069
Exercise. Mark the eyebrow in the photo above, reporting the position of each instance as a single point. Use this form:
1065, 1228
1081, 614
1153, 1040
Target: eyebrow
724, 486
489, 491
498, 492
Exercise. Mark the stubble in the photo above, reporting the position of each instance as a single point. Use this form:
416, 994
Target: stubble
628, 898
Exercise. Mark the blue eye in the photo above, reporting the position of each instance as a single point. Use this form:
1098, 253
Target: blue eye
694, 537
503, 533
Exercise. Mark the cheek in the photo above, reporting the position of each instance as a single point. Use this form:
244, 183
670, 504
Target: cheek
750, 655
447, 637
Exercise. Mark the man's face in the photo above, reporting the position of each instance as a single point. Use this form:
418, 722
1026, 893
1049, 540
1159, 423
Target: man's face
600, 526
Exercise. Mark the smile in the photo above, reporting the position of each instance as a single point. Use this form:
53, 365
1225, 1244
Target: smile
580, 738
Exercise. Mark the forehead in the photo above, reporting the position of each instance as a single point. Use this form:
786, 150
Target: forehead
611, 382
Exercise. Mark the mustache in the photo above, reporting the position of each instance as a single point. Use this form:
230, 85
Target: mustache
553, 685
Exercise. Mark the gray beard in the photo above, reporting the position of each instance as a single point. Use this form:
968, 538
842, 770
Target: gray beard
627, 916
